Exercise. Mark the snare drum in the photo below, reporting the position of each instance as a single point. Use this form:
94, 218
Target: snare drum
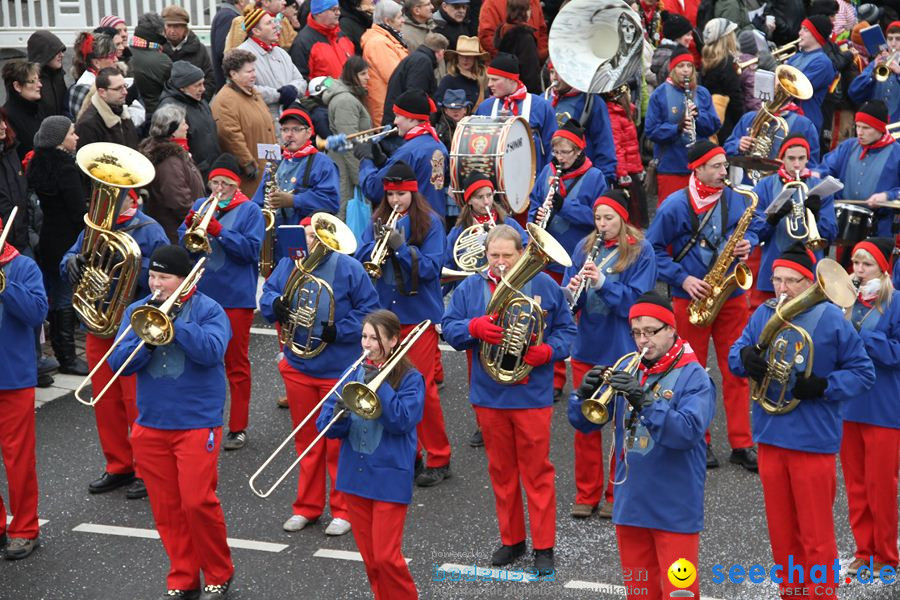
500, 147
854, 223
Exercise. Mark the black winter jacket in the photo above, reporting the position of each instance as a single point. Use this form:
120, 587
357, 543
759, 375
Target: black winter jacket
195, 53
354, 22
43, 46
13, 188
203, 138
416, 71
25, 118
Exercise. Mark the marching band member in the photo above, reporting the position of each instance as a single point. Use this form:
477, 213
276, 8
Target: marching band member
235, 235
514, 418
772, 230
815, 64
660, 416
696, 223
421, 149
511, 98
870, 447
740, 142
375, 468
176, 437
622, 266
307, 379
865, 87
410, 286
23, 307
797, 449
116, 413
868, 165
671, 129
577, 183
307, 180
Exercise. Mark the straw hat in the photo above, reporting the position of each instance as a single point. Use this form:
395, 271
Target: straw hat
468, 45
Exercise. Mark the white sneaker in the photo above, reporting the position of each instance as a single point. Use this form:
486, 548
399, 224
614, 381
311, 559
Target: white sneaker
295, 523
337, 527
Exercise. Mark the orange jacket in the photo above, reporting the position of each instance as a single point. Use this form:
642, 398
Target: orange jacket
493, 14
383, 52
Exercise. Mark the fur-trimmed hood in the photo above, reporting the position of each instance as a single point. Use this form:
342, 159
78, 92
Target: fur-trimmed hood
159, 149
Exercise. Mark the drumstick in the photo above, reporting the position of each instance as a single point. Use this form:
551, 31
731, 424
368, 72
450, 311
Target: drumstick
895, 204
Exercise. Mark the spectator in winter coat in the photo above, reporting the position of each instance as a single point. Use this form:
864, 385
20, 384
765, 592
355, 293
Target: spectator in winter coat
119, 33
629, 168
183, 44
455, 19
92, 54
226, 12
688, 10
321, 49
493, 15
150, 65
718, 74
23, 94
788, 16
383, 49
466, 70
749, 49
13, 186
47, 50
107, 119
736, 12
284, 33
416, 71
516, 37
356, 18
676, 31
418, 22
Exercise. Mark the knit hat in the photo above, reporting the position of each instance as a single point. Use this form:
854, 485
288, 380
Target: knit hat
829, 8
680, 54
112, 21
474, 181
171, 259
616, 200
505, 65
716, 29
572, 131
881, 249
454, 98
225, 166
294, 112
751, 42
400, 177
320, 6
52, 132
653, 304
414, 104
794, 139
175, 15
873, 113
701, 153
819, 26
150, 27
798, 258
674, 25
252, 17
184, 74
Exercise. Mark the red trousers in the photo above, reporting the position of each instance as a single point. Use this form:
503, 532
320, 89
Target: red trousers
667, 185
517, 444
646, 556
303, 393
378, 531
237, 367
181, 473
725, 331
799, 489
432, 435
17, 441
870, 459
116, 411
559, 367
589, 456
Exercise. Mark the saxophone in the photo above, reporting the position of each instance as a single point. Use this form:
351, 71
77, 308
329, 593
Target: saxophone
267, 250
703, 312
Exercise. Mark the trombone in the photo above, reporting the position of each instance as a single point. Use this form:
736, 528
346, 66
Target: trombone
380, 250
153, 325
359, 398
196, 239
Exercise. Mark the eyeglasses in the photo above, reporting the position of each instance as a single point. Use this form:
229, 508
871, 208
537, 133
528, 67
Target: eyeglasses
118, 88
647, 333
294, 129
786, 280
559, 152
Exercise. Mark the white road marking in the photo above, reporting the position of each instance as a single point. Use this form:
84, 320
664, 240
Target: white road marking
342, 555
483, 573
610, 588
151, 534
41, 522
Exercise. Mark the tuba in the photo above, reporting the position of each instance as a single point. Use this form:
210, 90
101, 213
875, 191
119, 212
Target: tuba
380, 250
112, 259
267, 250
702, 313
196, 239
596, 408
520, 316
783, 354
304, 291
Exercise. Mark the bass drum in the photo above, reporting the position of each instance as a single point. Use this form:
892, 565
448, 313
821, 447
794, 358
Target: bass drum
500, 147
854, 223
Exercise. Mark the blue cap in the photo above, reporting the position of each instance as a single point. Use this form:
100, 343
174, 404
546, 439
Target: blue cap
320, 6
455, 99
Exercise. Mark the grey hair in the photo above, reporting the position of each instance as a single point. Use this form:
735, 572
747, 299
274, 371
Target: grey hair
164, 118
385, 11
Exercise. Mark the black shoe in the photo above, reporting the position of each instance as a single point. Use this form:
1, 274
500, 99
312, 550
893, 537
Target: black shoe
235, 440
477, 440
76, 366
431, 476
44, 380
215, 592
182, 594
557, 395
419, 466
543, 562
504, 555
746, 457
136, 490
711, 461
109, 481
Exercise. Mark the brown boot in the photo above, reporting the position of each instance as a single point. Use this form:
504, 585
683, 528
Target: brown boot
282, 402
582, 511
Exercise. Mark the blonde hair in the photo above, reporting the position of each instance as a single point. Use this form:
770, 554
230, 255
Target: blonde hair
716, 53
883, 299
629, 240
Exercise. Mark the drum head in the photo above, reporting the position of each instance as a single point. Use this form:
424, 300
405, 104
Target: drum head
517, 168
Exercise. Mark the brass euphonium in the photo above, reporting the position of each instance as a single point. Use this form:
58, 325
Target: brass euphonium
267, 250
832, 283
196, 238
801, 223
380, 250
596, 408
6, 229
521, 317
468, 250
303, 291
112, 259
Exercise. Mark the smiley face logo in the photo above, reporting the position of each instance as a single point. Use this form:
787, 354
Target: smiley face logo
682, 573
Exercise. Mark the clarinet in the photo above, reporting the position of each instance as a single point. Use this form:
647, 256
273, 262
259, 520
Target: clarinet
591, 257
548, 202
691, 130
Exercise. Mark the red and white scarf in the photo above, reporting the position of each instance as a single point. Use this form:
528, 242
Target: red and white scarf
510, 102
702, 196
885, 140
425, 128
661, 365
306, 150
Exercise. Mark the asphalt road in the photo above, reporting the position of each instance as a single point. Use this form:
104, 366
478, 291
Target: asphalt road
84, 556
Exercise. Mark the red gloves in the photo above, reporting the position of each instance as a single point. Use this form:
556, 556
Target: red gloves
538, 355
189, 218
483, 328
214, 228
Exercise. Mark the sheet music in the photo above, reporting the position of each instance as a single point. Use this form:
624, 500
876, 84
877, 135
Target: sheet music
829, 186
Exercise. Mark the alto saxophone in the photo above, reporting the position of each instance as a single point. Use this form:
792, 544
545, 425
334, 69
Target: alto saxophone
703, 312
691, 129
267, 250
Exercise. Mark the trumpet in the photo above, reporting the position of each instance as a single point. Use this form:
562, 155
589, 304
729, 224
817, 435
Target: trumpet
380, 250
780, 54
547, 206
153, 325
6, 229
468, 250
596, 408
591, 257
196, 238
341, 142
801, 223
359, 398
883, 71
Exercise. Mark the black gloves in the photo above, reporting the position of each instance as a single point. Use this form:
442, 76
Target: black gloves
378, 155
591, 381
286, 95
371, 372
282, 309
808, 388
755, 365
814, 204
363, 150
557, 202
75, 268
251, 170
627, 385
396, 239
779, 214
329, 332
340, 407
